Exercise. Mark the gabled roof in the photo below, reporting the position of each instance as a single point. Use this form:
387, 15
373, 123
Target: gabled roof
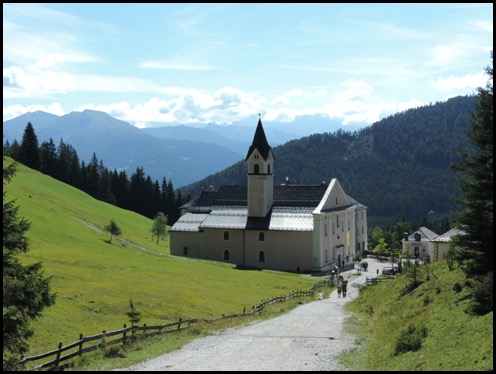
425, 234
292, 209
448, 235
259, 142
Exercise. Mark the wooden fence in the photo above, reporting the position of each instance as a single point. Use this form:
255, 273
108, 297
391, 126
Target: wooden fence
370, 281
107, 338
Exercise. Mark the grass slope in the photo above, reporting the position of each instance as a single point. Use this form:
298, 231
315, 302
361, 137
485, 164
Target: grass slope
454, 340
95, 280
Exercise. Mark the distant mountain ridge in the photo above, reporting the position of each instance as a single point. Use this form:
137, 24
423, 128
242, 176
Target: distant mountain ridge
180, 153
120, 145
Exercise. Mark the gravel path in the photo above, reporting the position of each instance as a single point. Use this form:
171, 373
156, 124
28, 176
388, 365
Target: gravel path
308, 338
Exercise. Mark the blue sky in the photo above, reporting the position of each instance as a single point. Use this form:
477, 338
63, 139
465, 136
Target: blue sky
199, 63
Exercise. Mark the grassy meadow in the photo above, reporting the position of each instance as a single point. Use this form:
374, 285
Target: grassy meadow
393, 323
94, 279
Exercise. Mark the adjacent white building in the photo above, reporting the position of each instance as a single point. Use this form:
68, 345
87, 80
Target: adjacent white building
426, 244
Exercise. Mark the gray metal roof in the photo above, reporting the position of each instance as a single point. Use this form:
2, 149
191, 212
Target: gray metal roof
189, 222
447, 236
279, 219
425, 234
226, 208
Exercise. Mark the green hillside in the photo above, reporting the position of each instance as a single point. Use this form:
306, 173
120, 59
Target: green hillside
393, 320
95, 280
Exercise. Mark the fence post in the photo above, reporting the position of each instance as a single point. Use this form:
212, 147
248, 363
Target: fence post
104, 338
58, 355
124, 333
144, 329
179, 323
80, 344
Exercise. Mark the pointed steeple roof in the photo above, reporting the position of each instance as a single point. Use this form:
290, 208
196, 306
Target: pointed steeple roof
259, 142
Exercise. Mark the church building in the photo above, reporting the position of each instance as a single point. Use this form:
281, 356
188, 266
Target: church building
296, 228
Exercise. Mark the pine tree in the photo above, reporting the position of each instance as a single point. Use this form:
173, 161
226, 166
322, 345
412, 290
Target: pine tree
475, 174
26, 292
29, 152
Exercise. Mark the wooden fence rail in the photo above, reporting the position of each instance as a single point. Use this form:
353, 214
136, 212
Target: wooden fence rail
104, 339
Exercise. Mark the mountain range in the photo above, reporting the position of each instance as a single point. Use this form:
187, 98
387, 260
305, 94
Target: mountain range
398, 167
180, 153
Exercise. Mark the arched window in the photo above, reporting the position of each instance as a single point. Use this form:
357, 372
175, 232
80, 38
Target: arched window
256, 169
268, 169
261, 236
261, 256
226, 235
227, 255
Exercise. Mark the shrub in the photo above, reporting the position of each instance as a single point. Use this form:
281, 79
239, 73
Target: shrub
410, 340
115, 352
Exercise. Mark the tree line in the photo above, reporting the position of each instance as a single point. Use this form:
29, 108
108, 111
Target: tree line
137, 193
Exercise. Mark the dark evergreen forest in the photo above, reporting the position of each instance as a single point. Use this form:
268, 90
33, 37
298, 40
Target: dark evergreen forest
398, 167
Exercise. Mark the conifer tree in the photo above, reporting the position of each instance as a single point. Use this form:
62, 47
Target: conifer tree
29, 151
475, 219
26, 292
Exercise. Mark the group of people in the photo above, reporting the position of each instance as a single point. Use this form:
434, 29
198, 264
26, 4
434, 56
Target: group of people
342, 286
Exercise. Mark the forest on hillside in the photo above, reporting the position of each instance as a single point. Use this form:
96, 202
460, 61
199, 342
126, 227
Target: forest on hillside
398, 167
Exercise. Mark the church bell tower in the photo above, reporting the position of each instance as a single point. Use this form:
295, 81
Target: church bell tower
260, 165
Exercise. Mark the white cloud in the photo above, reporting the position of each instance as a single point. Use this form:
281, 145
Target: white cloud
487, 26
456, 83
13, 111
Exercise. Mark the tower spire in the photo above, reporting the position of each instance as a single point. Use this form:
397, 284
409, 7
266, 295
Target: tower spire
259, 141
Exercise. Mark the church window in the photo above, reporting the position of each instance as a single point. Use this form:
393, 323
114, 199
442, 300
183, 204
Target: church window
261, 237
268, 169
336, 200
261, 256
256, 169
226, 235
325, 229
227, 255
337, 221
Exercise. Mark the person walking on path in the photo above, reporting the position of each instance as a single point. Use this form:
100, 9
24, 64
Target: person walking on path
345, 287
340, 285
